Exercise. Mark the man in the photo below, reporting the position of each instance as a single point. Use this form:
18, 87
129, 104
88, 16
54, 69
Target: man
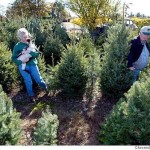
139, 52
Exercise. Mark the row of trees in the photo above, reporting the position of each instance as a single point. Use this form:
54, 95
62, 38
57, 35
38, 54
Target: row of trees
139, 15
128, 123
89, 11
80, 68
10, 125
72, 73
28, 8
35, 8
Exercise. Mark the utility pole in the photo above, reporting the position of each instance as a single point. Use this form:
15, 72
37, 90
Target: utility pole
125, 7
123, 12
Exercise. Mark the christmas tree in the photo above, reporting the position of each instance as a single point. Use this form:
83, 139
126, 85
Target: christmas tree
115, 78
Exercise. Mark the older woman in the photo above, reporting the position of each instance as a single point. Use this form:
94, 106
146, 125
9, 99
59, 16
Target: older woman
31, 69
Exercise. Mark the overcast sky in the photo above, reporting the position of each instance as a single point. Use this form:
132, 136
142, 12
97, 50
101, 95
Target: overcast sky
142, 6
6, 2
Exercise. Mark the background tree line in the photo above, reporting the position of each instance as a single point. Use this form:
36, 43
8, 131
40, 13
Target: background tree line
91, 12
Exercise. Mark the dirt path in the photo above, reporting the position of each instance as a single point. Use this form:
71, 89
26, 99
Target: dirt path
78, 120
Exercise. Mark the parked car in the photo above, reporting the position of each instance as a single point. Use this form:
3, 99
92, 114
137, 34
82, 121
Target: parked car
71, 27
130, 23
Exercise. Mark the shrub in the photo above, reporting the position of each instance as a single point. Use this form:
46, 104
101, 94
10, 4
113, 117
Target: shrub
10, 129
52, 79
52, 50
9, 29
93, 66
92, 72
9, 73
87, 45
144, 74
72, 72
130, 119
61, 33
46, 131
42, 65
115, 78
41, 29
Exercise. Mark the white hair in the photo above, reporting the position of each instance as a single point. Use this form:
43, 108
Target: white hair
21, 32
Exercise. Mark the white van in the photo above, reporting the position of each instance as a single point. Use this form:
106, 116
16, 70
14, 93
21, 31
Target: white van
129, 23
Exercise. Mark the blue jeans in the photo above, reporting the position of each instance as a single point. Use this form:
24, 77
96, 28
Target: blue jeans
34, 72
136, 73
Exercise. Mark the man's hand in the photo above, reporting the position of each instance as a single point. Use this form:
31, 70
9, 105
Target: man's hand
26, 60
131, 68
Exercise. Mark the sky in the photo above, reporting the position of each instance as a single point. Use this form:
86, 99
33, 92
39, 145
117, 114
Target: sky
6, 2
142, 6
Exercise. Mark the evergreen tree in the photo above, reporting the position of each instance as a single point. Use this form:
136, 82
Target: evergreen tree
10, 128
115, 78
28, 8
40, 29
9, 74
51, 79
129, 121
93, 75
46, 131
93, 68
53, 50
8, 30
58, 11
72, 72
61, 32
144, 74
